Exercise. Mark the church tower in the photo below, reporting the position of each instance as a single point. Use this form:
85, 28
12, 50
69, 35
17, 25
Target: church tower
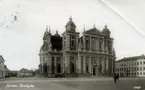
70, 36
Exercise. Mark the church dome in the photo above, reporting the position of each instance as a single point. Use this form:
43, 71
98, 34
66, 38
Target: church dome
56, 34
106, 31
70, 26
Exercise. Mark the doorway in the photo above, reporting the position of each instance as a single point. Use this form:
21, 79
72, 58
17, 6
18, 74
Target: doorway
94, 71
58, 68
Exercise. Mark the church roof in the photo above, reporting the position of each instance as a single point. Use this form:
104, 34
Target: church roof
46, 34
56, 34
44, 47
106, 30
93, 31
70, 23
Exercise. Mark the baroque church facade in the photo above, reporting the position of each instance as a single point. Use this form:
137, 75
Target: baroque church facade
91, 54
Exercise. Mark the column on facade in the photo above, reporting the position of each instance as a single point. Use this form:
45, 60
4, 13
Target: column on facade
90, 64
50, 64
78, 64
97, 43
55, 66
42, 64
103, 65
47, 64
42, 68
77, 38
103, 48
84, 70
68, 42
68, 63
84, 43
90, 43
107, 65
62, 64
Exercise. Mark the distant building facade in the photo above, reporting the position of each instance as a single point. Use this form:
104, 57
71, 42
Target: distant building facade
24, 73
72, 55
2, 67
131, 66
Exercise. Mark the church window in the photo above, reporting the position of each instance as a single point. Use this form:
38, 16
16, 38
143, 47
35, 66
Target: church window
87, 43
94, 44
72, 42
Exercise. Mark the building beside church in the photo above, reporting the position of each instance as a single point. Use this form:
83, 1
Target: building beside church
2, 67
131, 66
91, 54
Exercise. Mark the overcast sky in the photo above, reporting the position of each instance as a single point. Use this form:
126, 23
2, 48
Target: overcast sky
20, 41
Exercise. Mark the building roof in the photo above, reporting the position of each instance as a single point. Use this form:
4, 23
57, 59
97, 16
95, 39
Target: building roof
70, 23
106, 31
131, 58
44, 47
25, 70
93, 31
46, 34
1, 58
56, 34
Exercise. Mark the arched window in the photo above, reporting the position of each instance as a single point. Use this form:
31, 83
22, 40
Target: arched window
93, 44
87, 43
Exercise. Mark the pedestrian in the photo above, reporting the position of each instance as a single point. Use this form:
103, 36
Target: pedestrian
115, 77
118, 76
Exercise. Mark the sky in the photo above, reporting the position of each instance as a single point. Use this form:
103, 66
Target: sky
20, 40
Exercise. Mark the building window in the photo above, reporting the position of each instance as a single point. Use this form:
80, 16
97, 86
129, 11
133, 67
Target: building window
137, 63
137, 73
140, 73
72, 42
93, 44
144, 62
87, 43
100, 44
140, 63
140, 68
134, 73
143, 68
137, 68
144, 73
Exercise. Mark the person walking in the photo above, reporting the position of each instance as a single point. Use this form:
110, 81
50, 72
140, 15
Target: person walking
115, 77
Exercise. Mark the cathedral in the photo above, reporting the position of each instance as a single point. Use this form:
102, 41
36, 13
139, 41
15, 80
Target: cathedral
69, 54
